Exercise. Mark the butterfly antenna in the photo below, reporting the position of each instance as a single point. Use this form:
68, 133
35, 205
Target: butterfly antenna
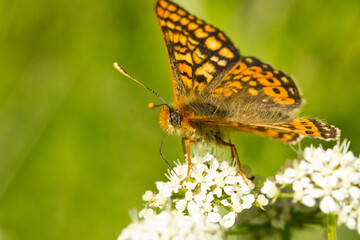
151, 105
162, 156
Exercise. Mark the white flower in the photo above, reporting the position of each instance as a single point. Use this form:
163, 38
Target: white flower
180, 205
214, 217
148, 196
228, 220
329, 177
328, 205
172, 225
248, 200
210, 184
262, 200
237, 207
308, 201
269, 188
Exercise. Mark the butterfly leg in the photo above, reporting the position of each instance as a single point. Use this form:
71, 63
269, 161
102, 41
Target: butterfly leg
183, 146
233, 150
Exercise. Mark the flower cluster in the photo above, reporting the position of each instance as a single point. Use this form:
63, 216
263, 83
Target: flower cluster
330, 178
278, 221
213, 188
171, 225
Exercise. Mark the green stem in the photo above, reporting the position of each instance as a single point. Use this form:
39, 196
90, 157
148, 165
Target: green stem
286, 195
331, 226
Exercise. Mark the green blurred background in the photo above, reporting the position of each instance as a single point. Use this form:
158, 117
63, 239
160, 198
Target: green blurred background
78, 146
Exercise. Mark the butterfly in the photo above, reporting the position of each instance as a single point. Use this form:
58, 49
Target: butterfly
218, 91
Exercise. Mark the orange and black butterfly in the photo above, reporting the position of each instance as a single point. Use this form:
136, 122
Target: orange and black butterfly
218, 91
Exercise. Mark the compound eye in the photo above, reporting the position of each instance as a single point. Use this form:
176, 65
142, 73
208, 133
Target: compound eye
174, 118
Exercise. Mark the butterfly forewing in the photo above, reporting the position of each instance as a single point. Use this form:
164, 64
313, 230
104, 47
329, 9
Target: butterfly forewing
200, 55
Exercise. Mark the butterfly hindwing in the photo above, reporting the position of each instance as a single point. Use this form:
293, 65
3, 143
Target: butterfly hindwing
253, 81
290, 132
311, 128
199, 53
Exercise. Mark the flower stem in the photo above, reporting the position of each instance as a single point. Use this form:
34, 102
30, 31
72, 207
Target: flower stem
286, 195
331, 226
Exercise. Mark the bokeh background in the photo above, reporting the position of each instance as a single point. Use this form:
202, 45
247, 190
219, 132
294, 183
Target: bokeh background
78, 145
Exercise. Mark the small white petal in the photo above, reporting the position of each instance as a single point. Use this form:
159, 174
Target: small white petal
225, 203
214, 217
333, 181
248, 201
318, 178
340, 194
297, 186
305, 181
354, 192
235, 198
148, 213
207, 207
208, 157
351, 223
342, 217
232, 171
141, 213
188, 195
308, 201
245, 188
217, 192
148, 196
230, 180
316, 193
200, 198
193, 208
175, 181
237, 207
198, 177
161, 201
262, 200
354, 178
210, 176
269, 189
228, 220
209, 197
290, 173
201, 168
189, 185
180, 205
219, 180
205, 187
328, 205
224, 165
229, 190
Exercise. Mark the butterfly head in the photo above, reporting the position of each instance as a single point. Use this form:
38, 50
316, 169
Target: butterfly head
170, 119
